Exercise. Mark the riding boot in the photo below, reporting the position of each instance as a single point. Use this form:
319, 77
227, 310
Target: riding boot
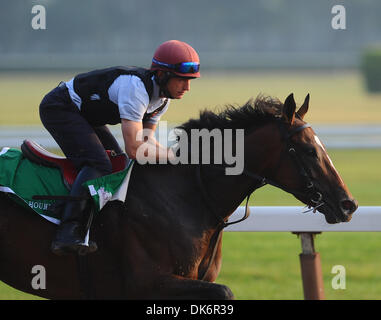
72, 229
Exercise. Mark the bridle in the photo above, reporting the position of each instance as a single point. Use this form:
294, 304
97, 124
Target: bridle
313, 194
315, 197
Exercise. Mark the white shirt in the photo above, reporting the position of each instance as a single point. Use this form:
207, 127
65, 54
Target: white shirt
131, 96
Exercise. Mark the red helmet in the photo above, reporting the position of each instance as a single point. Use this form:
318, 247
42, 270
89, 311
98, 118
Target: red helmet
178, 58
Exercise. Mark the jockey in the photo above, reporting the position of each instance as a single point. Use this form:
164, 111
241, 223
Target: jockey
77, 111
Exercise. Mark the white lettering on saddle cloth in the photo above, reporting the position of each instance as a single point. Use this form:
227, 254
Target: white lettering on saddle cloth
39, 205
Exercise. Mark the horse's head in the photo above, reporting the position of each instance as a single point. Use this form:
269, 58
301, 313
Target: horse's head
305, 169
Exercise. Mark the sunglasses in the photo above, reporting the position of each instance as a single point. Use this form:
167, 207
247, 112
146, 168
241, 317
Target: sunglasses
183, 67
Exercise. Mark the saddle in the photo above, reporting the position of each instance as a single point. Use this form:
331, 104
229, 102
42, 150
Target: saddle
35, 153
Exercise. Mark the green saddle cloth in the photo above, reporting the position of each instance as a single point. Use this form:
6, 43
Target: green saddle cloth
22, 179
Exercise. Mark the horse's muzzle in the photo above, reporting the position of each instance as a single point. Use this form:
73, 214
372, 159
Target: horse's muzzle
341, 212
348, 207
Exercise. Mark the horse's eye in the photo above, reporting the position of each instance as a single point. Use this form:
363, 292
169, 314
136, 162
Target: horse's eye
311, 152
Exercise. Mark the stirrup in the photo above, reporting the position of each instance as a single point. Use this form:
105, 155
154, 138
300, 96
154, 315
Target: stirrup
80, 248
84, 250
69, 240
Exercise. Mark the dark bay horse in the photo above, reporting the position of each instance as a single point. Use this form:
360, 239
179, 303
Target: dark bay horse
159, 244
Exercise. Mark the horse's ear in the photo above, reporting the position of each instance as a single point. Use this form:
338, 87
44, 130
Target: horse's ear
304, 108
289, 109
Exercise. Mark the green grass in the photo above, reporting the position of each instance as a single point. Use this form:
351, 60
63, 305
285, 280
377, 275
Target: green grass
335, 97
21, 94
265, 265
9, 293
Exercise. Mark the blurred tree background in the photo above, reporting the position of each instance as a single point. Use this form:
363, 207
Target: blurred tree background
240, 34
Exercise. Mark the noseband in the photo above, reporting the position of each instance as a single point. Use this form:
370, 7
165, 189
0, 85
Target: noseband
312, 192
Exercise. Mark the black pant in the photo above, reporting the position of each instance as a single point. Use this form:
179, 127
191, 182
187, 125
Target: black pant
82, 143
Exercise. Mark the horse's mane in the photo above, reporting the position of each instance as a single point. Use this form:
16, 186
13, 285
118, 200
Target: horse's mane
254, 113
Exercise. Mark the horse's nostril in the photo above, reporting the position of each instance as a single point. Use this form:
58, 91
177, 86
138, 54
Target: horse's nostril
348, 206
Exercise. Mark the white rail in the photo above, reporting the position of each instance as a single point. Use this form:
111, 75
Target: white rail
305, 225
292, 219
333, 136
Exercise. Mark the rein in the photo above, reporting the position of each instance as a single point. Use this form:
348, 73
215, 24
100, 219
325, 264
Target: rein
221, 222
263, 181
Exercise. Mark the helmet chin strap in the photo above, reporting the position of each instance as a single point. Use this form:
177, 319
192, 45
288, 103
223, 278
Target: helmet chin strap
162, 82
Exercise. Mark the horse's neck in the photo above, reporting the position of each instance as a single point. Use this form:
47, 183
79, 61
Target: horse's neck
224, 193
